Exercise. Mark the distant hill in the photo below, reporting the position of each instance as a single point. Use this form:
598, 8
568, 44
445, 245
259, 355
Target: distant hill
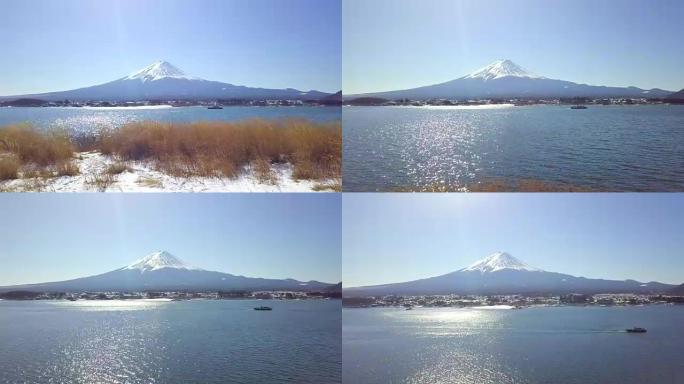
367, 101
163, 81
23, 103
677, 291
19, 295
676, 97
502, 274
334, 99
161, 271
337, 96
505, 79
335, 288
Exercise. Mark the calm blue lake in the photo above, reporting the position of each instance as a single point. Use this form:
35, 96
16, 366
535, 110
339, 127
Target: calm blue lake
617, 148
560, 345
170, 342
92, 119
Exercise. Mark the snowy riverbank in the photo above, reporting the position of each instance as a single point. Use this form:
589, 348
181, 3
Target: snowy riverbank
143, 177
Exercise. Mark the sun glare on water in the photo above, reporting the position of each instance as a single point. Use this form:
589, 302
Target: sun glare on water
113, 305
480, 106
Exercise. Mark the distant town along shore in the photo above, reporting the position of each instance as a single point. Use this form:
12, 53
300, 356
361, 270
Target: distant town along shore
173, 295
514, 301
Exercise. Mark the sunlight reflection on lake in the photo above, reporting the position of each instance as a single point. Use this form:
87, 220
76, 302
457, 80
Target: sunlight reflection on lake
111, 305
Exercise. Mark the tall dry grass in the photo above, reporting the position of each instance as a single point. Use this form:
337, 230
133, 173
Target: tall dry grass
182, 149
9, 167
223, 148
31, 146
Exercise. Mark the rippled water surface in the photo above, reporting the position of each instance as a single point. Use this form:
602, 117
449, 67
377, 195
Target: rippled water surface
561, 345
170, 342
91, 119
624, 148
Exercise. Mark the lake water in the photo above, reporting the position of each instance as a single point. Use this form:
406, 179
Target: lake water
170, 342
560, 345
618, 148
91, 119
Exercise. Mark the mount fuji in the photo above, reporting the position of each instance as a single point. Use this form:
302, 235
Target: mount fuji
163, 81
501, 274
161, 271
505, 79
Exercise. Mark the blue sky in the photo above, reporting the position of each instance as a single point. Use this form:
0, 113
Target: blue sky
49, 237
60, 45
398, 44
401, 237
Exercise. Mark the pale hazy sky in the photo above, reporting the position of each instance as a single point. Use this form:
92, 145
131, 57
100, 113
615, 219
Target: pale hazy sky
400, 237
398, 44
61, 45
48, 237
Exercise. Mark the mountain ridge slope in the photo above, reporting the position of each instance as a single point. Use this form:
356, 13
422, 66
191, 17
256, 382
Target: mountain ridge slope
163, 81
505, 79
161, 271
501, 274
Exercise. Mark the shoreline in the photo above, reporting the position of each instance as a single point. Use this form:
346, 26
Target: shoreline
169, 300
507, 307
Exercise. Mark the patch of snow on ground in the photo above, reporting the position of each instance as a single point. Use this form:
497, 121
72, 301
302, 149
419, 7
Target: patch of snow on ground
142, 177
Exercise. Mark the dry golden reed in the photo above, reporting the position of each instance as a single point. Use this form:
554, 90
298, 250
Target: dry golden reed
184, 149
31, 146
9, 167
223, 148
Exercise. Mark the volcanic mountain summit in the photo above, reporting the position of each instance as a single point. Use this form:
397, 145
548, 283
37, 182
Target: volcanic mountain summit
159, 260
500, 69
159, 70
497, 262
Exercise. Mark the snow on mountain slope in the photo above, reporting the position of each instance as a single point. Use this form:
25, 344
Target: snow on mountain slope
157, 71
497, 262
159, 260
499, 69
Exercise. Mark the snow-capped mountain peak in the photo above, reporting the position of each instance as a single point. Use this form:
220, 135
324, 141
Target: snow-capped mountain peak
497, 262
499, 69
158, 260
157, 71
